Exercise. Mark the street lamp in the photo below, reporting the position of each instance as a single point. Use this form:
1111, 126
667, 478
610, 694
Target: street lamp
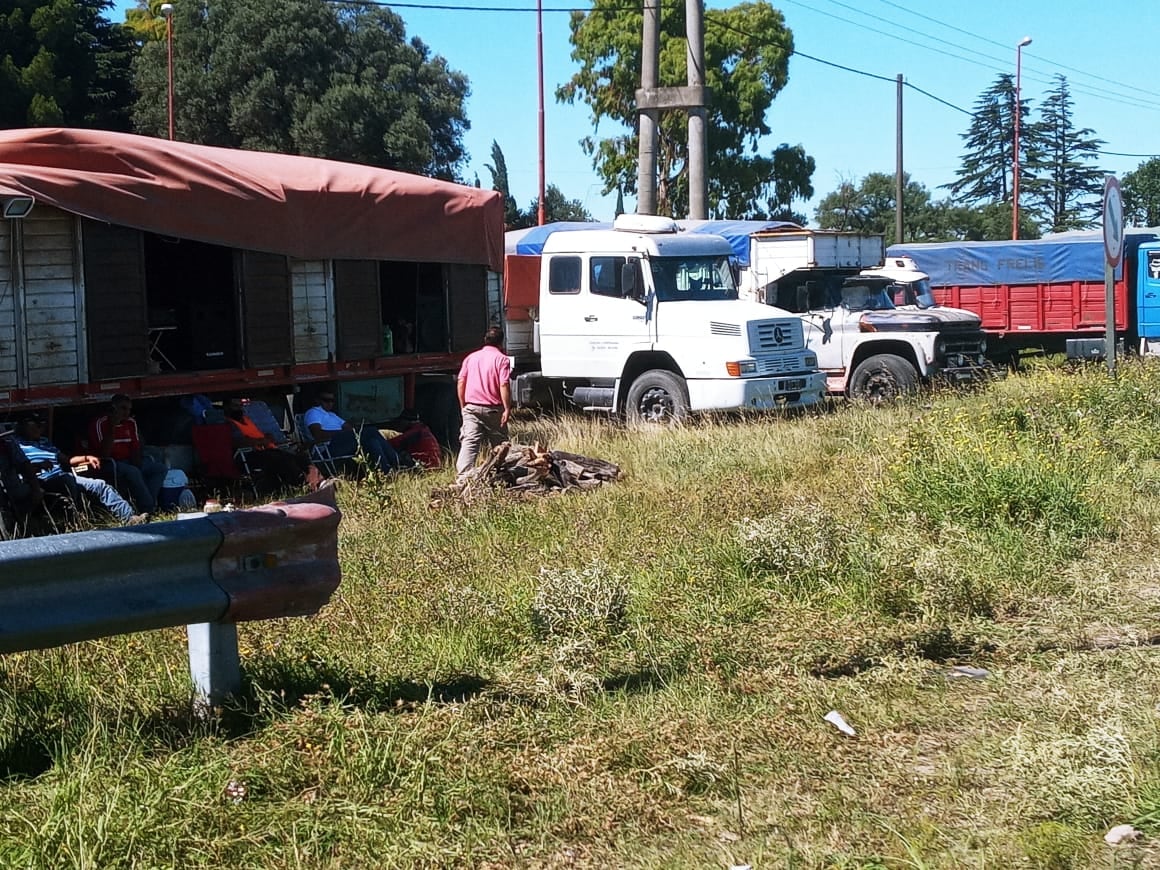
1026, 40
167, 14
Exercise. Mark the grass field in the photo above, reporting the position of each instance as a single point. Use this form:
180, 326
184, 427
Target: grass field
637, 676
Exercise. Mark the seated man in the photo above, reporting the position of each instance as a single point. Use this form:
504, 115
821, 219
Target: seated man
286, 467
45, 470
115, 437
326, 427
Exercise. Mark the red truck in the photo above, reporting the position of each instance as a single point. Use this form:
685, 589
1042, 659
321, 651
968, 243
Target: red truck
1047, 295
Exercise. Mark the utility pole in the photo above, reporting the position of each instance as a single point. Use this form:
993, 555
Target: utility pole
693, 98
695, 67
646, 163
899, 181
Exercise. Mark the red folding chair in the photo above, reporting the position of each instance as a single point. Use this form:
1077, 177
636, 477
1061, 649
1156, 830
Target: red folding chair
218, 460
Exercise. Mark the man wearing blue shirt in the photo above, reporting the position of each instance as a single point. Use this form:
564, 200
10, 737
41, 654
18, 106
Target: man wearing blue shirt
326, 427
46, 470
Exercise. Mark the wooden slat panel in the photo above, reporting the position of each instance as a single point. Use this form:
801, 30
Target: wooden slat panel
51, 281
467, 305
115, 304
7, 310
311, 318
358, 309
268, 331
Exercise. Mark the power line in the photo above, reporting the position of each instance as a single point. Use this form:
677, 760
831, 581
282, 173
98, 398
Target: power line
845, 68
1001, 45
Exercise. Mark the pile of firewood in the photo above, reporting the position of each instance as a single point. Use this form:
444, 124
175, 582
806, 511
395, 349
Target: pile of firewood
529, 470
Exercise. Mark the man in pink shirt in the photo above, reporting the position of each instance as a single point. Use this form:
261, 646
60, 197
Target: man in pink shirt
485, 399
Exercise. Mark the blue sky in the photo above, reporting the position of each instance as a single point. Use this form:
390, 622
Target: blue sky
953, 50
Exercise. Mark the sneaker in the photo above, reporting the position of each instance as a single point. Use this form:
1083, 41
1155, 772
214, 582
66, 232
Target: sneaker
137, 520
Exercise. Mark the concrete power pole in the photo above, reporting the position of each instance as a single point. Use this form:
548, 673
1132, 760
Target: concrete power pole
899, 175
650, 99
695, 62
646, 163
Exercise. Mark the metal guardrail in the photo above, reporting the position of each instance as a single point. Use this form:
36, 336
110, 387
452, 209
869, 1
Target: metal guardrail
212, 570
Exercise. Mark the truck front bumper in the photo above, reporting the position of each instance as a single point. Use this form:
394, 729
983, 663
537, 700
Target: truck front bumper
782, 391
967, 374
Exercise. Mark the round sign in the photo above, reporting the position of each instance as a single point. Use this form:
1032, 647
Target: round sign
1113, 221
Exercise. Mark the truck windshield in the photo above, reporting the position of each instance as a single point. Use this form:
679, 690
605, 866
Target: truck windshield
692, 278
869, 296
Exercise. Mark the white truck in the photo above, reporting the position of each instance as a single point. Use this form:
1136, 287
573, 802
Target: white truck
871, 321
644, 320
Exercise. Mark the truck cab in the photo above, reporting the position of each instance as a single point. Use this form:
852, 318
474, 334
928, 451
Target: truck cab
644, 319
874, 326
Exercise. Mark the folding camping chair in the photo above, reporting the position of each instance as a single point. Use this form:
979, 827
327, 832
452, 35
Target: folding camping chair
320, 453
218, 460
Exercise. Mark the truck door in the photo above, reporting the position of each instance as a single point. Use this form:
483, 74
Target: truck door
587, 328
823, 320
1148, 291
616, 325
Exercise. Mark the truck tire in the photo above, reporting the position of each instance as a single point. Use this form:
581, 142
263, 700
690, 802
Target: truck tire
882, 378
657, 396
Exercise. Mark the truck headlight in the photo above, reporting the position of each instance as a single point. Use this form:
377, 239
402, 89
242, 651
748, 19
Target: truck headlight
811, 360
743, 367
983, 346
940, 347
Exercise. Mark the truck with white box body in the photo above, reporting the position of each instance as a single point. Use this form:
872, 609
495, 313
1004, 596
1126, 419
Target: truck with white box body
644, 320
872, 321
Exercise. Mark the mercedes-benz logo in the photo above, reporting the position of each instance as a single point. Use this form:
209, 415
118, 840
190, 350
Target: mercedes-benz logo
778, 335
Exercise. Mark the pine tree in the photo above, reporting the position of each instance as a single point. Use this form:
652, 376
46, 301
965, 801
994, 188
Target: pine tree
499, 181
1069, 186
985, 175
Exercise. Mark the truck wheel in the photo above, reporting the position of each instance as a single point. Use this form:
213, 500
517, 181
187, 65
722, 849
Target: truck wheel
657, 396
882, 378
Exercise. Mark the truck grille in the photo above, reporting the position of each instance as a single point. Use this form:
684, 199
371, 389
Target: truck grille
769, 335
779, 365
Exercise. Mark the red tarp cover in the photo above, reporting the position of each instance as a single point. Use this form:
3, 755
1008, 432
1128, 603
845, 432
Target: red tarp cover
303, 207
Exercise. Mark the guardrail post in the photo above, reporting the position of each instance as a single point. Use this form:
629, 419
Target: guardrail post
215, 667
214, 664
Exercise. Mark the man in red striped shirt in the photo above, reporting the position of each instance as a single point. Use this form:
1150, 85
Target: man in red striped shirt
115, 437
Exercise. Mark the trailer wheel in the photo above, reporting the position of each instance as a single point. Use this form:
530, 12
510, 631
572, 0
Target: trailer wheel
882, 378
657, 396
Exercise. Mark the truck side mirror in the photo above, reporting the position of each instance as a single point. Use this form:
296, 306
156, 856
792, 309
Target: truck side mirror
630, 279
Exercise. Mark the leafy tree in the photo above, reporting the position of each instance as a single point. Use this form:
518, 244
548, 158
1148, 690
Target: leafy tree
991, 222
1141, 192
307, 77
1069, 189
870, 208
499, 181
63, 63
985, 176
557, 207
747, 49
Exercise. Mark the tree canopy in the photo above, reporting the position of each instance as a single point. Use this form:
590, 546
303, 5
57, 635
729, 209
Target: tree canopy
747, 49
868, 207
1141, 191
1068, 187
557, 207
305, 77
62, 63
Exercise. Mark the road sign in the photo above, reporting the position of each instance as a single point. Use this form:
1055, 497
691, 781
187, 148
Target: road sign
1113, 221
